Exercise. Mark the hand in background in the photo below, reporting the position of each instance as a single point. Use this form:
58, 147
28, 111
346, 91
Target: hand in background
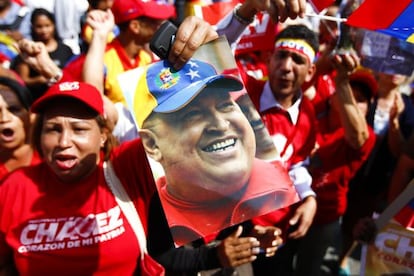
303, 217
102, 22
345, 64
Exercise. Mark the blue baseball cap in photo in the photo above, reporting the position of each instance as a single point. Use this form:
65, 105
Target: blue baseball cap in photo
163, 89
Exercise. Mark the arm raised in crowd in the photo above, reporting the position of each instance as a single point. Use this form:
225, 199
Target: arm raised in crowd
396, 138
279, 10
102, 24
235, 22
352, 118
35, 54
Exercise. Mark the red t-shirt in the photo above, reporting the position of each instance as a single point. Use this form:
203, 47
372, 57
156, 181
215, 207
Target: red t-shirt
325, 87
55, 228
332, 167
4, 171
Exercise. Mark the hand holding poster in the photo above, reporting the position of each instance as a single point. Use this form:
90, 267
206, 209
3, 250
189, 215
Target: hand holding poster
207, 175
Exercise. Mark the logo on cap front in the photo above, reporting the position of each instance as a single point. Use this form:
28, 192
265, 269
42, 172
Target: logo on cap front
69, 86
167, 79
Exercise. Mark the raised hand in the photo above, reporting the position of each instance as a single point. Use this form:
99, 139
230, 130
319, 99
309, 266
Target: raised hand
279, 10
35, 54
102, 22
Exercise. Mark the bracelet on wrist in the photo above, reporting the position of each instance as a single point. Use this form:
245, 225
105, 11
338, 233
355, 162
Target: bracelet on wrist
244, 21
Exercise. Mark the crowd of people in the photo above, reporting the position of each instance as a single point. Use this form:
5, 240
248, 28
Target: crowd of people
314, 129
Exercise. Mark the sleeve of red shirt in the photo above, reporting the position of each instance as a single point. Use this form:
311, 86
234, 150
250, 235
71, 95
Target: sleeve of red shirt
335, 143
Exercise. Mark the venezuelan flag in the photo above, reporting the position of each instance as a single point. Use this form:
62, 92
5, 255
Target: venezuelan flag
394, 18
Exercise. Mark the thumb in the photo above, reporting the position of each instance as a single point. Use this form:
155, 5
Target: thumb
259, 229
238, 232
294, 219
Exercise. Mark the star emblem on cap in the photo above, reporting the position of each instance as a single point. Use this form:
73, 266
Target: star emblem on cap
192, 64
192, 73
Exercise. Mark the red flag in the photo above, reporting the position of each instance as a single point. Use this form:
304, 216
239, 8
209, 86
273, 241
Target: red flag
214, 12
211, 12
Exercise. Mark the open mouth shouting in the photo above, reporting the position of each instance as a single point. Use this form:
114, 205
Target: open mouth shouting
7, 134
65, 162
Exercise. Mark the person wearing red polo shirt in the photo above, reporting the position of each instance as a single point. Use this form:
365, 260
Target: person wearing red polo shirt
344, 142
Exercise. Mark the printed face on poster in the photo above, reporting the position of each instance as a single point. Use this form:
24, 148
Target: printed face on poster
202, 147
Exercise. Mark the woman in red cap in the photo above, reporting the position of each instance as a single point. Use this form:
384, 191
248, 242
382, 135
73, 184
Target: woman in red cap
65, 218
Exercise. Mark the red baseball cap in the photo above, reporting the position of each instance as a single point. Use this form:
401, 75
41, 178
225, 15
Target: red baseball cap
80, 91
366, 77
125, 10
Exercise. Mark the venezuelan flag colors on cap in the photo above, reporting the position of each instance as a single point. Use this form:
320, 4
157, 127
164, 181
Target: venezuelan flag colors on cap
163, 89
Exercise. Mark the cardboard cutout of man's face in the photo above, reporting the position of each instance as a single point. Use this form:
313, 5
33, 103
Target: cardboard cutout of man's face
201, 146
